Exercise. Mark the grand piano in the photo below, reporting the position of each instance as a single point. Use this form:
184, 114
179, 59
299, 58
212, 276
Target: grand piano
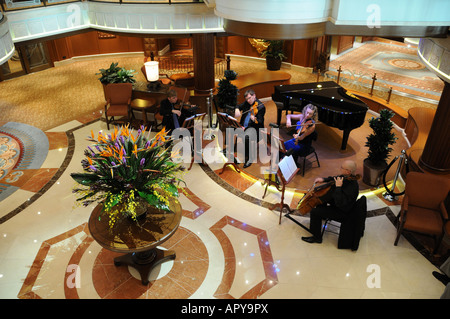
336, 107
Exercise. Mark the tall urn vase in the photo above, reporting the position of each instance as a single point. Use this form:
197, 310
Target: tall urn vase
373, 174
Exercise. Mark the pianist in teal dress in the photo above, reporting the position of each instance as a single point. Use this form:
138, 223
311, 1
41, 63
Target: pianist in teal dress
305, 128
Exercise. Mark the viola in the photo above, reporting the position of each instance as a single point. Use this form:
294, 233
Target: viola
312, 197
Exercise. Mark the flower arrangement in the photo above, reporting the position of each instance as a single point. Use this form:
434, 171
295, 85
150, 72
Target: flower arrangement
122, 169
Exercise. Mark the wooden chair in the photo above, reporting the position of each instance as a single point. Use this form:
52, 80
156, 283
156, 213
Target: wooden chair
118, 100
182, 93
423, 208
311, 151
183, 79
164, 81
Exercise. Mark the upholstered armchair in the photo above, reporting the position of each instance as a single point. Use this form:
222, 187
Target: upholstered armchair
118, 99
423, 208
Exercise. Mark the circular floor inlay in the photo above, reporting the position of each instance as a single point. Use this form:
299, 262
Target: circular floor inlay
406, 64
173, 279
9, 154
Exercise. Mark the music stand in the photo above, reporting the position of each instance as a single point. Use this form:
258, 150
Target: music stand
228, 121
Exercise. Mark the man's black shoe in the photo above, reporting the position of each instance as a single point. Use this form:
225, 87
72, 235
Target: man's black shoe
312, 240
441, 277
247, 164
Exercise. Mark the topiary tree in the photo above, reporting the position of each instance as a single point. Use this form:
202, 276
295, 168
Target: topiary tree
382, 137
227, 92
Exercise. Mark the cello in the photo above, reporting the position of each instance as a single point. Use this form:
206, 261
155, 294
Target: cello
312, 197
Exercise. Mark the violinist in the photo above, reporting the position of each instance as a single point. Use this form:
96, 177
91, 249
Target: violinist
305, 131
172, 112
252, 113
337, 203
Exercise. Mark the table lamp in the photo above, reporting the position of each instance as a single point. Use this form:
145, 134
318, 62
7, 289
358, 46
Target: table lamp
152, 72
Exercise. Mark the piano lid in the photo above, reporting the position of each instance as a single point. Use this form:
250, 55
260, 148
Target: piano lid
327, 94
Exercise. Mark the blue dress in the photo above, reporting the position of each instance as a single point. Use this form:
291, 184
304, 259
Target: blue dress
302, 147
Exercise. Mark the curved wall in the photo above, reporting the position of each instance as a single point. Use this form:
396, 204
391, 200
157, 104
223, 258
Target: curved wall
127, 18
435, 54
6, 42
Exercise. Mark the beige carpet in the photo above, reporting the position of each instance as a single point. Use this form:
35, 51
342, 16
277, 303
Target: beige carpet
55, 96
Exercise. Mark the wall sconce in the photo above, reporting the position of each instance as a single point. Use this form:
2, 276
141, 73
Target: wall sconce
152, 72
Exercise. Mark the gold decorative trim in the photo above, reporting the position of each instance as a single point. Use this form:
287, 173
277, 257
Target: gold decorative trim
259, 44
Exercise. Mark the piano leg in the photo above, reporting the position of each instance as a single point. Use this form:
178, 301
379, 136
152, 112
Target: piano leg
345, 139
279, 111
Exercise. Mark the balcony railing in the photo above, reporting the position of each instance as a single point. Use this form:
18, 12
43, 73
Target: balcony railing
173, 64
361, 82
10, 5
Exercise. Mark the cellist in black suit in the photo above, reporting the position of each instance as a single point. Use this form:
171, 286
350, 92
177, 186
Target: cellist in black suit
336, 203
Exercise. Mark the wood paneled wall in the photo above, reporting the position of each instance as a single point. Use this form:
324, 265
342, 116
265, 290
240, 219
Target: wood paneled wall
90, 43
298, 52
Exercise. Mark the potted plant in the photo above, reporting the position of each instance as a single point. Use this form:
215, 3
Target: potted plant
378, 143
227, 92
115, 74
274, 54
128, 173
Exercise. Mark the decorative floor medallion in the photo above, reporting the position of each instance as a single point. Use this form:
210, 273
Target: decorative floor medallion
406, 64
23, 149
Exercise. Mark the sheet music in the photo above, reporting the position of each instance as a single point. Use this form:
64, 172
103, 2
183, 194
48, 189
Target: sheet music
288, 167
227, 115
190, 118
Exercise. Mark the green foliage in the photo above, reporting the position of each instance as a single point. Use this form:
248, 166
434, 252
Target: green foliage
116, 74
227, 92
274, 50
382, 137
123, 164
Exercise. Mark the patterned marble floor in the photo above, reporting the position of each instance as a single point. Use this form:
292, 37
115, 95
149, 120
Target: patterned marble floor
228, 246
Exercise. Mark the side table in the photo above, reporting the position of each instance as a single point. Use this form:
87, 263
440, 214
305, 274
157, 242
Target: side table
145, 106
138, 240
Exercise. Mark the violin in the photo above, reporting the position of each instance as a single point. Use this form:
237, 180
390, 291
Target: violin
180, 104
312, 197
254, 110
302, 129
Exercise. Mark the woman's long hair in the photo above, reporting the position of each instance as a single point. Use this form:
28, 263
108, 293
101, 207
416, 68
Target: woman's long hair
312, 107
